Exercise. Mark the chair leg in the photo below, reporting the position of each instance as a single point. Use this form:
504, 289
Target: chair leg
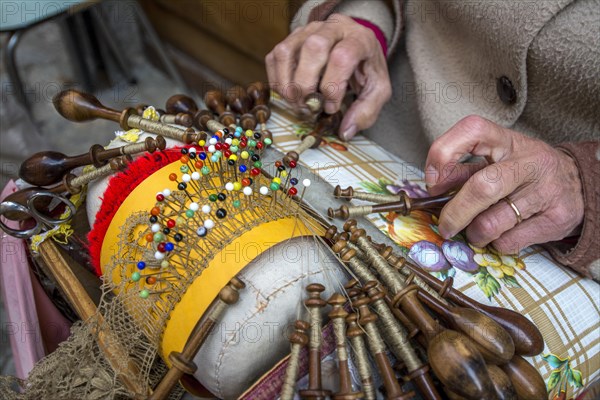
160, 50
13, 72
75, 51
111, 44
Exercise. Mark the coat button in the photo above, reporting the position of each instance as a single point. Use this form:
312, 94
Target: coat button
506, 90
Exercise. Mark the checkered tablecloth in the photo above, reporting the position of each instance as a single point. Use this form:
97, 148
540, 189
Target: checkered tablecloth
564, 305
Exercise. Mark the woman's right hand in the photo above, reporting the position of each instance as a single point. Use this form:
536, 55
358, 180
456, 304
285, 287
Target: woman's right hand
330, 56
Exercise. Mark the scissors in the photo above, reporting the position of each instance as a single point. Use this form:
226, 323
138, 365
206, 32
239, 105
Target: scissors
41, 220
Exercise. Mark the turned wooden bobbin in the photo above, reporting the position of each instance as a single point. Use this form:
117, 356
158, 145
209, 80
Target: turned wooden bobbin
70, 183
339, 246
342, 212
182, 119
389, 276
182, 362
464, 359
315, 102
330, 233
349, 193
338, 317
525, 335
314, 303
261, 95
377, 347
298, 339
181, 103
49, 167
216, 103
398, 340
327, 124
73, 184
139, 109
451, 354
239, 101
355, 334
79, 107
357, 267
404, 206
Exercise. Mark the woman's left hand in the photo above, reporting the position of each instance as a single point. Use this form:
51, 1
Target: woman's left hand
542, 182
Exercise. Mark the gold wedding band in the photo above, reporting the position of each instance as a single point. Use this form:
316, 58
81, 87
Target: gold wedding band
515, 209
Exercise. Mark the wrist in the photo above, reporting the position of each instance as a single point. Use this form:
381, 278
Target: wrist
377, 31
574, 176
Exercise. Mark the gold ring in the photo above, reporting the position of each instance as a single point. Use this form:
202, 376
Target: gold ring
515, 209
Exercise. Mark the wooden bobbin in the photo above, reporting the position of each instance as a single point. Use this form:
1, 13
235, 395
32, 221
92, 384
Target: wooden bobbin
527, 338
355, 334
338, 317
398, 340
79, 107
314, 303
327, 124
389, 276
357, 267
182, 119
239, 101
70, 183
349, 193
342, 212
180, 103
73, 184
261, 95
49, 167
182, 362
331, 233
451, 354
377, 347
526, 380
315, 102
298, 339
216, 103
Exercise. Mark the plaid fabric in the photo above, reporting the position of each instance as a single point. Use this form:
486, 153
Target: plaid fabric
564, 306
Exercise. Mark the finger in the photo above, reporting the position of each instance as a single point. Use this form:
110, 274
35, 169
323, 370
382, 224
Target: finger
538, 229
363, 113
314, 56
482, 190
454, 175
281, 62
500, 218
343, 62
474, 135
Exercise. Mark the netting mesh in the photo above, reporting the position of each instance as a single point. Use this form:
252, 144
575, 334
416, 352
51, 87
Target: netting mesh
115, 354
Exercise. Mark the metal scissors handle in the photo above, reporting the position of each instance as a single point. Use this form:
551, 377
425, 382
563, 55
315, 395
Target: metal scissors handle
41, 220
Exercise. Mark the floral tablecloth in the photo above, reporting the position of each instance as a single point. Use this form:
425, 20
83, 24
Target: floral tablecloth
564, 305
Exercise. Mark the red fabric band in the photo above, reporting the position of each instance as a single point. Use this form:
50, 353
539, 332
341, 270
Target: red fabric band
378, 33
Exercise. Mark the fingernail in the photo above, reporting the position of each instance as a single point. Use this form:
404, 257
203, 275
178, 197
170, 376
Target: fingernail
349, 133
330, 108
431, 176
445, 233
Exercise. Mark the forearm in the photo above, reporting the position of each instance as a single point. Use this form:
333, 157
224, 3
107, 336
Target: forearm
584, 255
385, 15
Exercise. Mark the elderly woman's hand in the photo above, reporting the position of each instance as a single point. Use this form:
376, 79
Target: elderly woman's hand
541, 182
330, 56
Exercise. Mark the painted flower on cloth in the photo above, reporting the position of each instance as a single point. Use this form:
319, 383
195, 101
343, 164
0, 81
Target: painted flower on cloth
562, 378
418, 236
497, 265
